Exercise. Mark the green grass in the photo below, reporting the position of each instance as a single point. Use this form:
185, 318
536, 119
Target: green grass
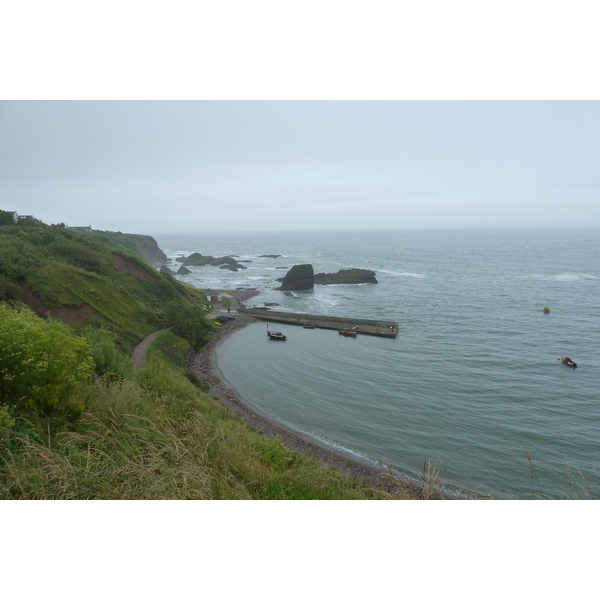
158, 436
71, 270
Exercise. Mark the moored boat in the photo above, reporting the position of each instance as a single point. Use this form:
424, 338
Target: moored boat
347, 333
276, 335
308, 326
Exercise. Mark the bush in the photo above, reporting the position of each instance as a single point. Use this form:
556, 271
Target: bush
9, 290
188, 322
41, 361
109, 361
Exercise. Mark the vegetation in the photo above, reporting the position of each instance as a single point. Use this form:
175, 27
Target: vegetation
41, 362
6, 218
76, 423
91, 280
155, 436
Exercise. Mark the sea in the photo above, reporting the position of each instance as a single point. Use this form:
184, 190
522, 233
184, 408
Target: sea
471, 385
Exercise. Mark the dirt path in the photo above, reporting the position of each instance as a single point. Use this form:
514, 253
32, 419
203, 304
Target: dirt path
140, 352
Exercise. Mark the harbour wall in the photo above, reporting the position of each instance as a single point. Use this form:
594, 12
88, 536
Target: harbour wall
364, 326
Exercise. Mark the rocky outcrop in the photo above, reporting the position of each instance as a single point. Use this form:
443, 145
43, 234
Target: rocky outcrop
302, 277
270, 256
165, 269
299, 277
346, 276
225, 262
183, 270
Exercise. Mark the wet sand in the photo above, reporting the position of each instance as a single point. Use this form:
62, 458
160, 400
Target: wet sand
203, 364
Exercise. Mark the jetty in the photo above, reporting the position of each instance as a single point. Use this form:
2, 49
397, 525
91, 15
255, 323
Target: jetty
364, 326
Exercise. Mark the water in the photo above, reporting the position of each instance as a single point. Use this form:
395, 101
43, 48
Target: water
472, 378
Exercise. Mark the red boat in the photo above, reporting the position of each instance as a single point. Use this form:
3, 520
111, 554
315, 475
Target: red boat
347, 333
567, 361
308, 326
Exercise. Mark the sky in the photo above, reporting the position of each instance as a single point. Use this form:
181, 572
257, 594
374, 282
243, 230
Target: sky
195, 166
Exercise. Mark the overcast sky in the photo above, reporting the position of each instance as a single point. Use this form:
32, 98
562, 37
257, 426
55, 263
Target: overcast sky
152, 167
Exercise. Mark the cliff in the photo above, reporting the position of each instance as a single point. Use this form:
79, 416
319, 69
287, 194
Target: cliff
144, 246
87, 280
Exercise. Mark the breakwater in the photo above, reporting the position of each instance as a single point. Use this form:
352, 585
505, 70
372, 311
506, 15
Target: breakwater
364, 326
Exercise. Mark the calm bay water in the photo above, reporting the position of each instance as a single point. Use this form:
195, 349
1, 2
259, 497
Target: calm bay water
472, 377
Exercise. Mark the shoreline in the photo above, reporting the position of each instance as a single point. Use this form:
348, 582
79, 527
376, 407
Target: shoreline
204, 365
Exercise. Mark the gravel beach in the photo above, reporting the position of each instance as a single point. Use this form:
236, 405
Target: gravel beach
203, 364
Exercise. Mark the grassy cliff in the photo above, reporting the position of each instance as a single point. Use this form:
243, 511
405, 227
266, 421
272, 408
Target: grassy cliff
144, 246
84, 279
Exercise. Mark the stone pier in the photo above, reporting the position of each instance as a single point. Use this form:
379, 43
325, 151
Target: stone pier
364, 326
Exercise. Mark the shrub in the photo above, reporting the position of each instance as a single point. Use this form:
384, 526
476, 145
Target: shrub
8, 289
188, 322
109, 361
41, 361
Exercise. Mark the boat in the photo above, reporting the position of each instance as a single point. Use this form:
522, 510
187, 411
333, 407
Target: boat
308, 326
546, 309
347, 333
276, 335
567, 361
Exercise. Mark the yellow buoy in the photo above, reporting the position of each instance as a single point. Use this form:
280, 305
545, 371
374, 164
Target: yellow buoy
546, 309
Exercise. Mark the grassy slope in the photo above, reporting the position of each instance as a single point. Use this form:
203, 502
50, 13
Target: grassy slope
152, 435
71, 270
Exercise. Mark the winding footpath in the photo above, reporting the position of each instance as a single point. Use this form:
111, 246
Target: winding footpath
140, 352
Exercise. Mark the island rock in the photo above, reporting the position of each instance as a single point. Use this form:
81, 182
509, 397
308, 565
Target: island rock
183, 270
299, 277
346, 276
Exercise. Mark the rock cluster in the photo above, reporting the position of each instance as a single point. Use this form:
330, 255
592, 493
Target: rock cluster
198, 260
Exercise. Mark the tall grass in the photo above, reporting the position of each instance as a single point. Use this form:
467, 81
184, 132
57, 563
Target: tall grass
159, 437
574, 485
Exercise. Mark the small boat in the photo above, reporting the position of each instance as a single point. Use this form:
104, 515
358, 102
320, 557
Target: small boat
308, 326
347, 333
567, 361
276, 335
546, 309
